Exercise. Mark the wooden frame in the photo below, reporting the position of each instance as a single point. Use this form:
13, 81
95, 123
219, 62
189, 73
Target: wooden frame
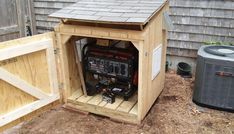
145, 41
62, 70
43, 98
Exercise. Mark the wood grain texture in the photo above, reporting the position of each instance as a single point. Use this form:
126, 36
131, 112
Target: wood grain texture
94, 104
9, 25
145, 41
79, 67
14, 101
27, 74
15, 15
151, 89
21, 84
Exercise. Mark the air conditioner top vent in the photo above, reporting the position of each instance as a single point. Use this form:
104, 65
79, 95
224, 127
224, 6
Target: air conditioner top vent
225, 53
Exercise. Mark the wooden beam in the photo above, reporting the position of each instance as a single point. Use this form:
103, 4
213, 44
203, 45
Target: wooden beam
8, 30
9, 117
21, 84
80, 70
142, 79
97, 32
65, 38
19, 50
64, 72
52, 69
136, 27
136, 44
21, 16
31, 14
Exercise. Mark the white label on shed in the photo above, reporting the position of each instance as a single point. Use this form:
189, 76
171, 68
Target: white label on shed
156, 62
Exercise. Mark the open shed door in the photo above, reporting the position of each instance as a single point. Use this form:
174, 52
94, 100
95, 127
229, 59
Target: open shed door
28, 77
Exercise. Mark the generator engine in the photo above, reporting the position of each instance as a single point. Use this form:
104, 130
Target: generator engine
110, 70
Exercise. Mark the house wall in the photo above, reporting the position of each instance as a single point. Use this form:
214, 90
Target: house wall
15, 15
195, 22
43, 8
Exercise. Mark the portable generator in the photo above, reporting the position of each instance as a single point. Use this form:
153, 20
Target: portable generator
111, 70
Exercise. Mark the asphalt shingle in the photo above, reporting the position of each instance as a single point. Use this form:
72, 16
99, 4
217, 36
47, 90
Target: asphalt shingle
120, 11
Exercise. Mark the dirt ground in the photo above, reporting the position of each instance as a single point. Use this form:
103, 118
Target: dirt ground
174, 112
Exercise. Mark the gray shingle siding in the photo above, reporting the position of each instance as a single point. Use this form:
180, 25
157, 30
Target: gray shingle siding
45, 7
198, 21
195, 21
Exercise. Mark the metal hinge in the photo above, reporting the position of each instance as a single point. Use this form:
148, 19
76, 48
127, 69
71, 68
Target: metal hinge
146, 54
56, 51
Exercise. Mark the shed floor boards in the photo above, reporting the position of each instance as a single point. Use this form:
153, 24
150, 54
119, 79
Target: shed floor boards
123, 110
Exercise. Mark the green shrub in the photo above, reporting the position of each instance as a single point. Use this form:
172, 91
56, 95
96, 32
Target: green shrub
219, 43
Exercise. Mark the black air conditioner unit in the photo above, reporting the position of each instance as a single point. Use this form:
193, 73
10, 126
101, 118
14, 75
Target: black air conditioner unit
214, 84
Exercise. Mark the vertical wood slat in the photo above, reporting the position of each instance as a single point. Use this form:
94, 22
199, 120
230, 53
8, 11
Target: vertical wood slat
196, 22
20, 19
31, 14
43, 22
14, 14
8, 23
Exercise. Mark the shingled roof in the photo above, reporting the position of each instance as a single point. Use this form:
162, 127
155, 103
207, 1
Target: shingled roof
111, 11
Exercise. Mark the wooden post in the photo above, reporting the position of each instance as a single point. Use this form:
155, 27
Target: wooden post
31, 15
80, 71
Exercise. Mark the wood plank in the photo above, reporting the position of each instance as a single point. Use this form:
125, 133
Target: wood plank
26, 77
31, 14
19, 50
134, 110
84, 98
95, 100
76, 95
142, 80
94, 32
126, 106
118, 101
124, 117
9, 29
21, 16
9, 117
21, 84
102, 104
151, 89
52, 69
80, 71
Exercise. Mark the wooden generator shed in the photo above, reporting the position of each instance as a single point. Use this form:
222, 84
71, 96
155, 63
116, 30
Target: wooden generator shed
39, 70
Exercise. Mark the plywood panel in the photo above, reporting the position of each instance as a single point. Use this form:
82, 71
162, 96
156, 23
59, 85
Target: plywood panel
72, 68
32, 68
154, 37
12, 98
27, 69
